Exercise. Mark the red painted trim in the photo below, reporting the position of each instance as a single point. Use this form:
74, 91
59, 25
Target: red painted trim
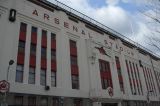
22, 36
43, 64
32, 60
44, 41
53, 65
20, 58
74, 70
73, 51
53, 44
105, 75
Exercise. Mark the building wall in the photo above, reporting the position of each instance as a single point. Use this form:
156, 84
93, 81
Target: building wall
87, 40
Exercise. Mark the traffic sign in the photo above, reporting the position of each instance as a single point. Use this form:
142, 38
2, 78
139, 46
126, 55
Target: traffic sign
110, 91
4, 86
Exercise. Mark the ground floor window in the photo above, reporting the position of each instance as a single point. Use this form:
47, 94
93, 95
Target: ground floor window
55, 102
44, 101
31, 101
77, 102
18, 100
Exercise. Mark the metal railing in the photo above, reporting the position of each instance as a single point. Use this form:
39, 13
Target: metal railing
96, 23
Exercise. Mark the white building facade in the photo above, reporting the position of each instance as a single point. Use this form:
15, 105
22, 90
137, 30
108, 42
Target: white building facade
63, 58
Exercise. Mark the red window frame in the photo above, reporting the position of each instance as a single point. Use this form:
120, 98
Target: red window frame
105, 74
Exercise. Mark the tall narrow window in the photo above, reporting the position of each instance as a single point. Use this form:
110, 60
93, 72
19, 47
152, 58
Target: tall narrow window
129, 75
105, 73
53, 60
74, 65
145, 76
33, 45
119, 74
19, 73
133, 78
136, 78
44, 48
31, 79
21, 53
139, 79
43, 77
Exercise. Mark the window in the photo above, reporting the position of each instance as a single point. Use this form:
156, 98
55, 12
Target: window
77, 102
105, 74
73, 60
119, 73
19, 73
53, 55
31, 79
33, 49
44, 101
18, 100
75, 82
43, 77
73, 44
55, 102
21, 46
53, 78
31, 101
43, 52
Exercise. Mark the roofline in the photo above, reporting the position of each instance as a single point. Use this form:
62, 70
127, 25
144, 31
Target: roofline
86, 19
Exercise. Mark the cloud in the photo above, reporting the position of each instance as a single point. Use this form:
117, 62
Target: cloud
112, 2
115, 17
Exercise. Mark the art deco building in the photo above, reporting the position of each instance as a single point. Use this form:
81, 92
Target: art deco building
64, 58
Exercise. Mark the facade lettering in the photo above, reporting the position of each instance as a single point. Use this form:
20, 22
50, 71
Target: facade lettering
75, 29
56, 20
35, 12
66, 24
46, 16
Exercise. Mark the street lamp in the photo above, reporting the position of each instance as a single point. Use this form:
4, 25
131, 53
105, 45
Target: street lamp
11, 62
148, 92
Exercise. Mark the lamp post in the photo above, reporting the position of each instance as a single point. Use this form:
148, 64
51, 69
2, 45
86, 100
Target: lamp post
148, 94
11, 62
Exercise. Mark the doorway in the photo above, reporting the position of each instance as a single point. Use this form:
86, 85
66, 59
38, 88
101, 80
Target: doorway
109, 104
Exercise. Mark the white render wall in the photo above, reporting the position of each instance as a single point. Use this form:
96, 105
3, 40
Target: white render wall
89, 74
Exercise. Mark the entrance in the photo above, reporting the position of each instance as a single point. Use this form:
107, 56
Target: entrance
109, 104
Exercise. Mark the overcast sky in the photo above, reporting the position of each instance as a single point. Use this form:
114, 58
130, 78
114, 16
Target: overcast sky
120, 15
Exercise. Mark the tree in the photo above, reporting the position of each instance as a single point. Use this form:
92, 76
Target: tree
151, 10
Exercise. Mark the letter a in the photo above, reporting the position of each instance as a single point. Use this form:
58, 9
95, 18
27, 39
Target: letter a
35, 12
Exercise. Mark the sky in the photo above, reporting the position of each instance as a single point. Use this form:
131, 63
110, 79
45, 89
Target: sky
121, 15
